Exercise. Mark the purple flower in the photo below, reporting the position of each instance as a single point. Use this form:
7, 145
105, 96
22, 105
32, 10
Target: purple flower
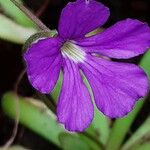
116, 86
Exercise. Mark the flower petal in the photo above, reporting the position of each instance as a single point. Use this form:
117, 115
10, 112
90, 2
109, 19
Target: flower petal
43, 60
75, 108
125, 39
116, 86
81, 17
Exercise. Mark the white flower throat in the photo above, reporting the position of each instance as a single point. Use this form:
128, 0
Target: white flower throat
73, 52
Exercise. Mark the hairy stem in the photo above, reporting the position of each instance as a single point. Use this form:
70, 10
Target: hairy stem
37, 21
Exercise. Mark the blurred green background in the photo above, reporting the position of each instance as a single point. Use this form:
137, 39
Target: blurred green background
38, 128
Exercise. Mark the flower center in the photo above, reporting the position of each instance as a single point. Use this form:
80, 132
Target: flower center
73, 52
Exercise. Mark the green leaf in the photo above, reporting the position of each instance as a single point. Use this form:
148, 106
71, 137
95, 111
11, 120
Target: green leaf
34, 115
145, 63
93, 144
72, 142
144, 146
12, 11
139, 135
100, 124
121, 126
56, 90
13, 32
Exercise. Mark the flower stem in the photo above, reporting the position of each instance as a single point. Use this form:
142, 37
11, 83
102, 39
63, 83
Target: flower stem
37, 21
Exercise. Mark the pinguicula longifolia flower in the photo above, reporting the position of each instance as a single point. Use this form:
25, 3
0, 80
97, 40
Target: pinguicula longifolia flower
116, 86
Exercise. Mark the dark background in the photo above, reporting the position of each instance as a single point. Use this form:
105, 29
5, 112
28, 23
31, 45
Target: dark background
11, 61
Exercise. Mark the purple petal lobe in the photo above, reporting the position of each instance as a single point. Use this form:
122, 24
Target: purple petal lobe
43, 60
75, 108
81, 17
116, 86
125, 39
